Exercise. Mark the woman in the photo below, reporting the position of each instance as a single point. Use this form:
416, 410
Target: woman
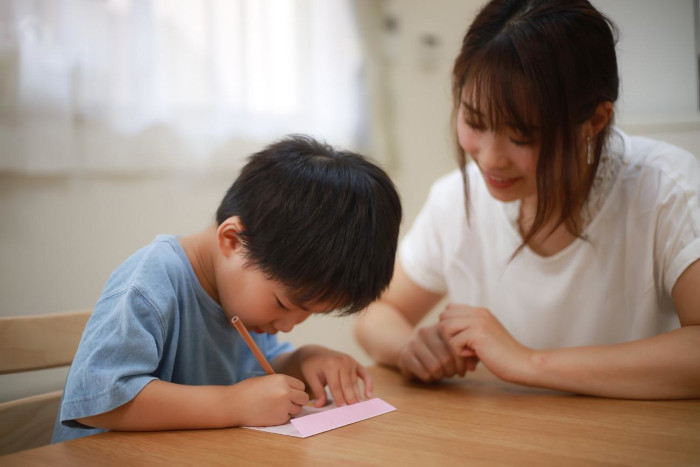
569, 251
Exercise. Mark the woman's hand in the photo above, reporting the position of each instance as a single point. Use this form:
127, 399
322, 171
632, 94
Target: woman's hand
321, 366
428, 357
474, 332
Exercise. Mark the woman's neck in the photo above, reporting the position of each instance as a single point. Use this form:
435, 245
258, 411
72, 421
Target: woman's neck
551, 238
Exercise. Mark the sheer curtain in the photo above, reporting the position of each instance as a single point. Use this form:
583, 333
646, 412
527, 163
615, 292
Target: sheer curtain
114, 85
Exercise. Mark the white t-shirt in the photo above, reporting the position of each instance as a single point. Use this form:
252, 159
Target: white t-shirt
615, 287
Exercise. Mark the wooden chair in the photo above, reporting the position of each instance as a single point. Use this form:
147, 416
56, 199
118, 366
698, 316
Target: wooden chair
30, 343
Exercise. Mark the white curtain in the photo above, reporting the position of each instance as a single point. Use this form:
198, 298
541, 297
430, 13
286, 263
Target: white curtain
114, 85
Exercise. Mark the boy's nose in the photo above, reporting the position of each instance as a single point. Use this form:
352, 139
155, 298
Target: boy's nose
291, 319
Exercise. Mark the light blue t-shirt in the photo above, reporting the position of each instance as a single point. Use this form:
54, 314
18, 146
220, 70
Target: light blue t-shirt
153, 321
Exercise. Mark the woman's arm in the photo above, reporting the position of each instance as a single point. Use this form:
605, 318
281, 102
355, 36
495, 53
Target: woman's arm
387, 331
387, 325
666, 366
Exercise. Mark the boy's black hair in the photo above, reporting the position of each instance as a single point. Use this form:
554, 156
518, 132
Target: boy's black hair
322, 221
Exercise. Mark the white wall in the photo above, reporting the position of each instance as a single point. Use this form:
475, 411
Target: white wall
60, 237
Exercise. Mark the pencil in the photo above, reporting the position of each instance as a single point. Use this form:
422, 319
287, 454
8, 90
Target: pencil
252, 345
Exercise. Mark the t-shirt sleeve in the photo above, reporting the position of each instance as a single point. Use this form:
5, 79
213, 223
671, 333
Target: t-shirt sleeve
678, 225
271, 347
421, 251
120, 350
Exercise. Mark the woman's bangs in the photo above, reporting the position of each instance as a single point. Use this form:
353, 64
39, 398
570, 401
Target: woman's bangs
497, 94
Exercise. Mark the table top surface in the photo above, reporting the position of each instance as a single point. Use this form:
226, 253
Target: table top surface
477, 420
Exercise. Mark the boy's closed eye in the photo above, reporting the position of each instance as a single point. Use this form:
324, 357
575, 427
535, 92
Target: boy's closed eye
280, 304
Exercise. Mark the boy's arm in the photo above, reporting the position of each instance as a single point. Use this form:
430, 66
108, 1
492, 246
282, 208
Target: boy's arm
268, 400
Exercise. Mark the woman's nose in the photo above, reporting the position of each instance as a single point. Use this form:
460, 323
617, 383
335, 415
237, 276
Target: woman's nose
492, 153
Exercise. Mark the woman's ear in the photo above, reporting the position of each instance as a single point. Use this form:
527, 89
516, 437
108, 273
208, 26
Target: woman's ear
227, 236
600, 118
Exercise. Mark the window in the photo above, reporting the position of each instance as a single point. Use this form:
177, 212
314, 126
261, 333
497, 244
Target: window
170, 84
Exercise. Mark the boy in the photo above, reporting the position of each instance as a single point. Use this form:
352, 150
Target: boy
304, 229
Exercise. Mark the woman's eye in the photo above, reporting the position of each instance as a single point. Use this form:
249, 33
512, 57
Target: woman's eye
520, 142
474, 125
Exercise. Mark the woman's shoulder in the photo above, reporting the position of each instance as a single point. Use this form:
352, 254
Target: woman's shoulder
645, 158
448, 182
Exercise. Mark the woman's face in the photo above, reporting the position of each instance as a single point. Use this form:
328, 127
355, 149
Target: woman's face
507, 159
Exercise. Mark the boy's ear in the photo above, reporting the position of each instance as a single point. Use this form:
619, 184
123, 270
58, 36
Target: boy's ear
227, 235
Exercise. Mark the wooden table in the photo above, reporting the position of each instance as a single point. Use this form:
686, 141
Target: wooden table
476, 421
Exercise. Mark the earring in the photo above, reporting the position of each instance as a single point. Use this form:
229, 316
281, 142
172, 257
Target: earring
589, 157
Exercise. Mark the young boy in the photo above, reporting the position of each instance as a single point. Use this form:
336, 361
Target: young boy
304, 229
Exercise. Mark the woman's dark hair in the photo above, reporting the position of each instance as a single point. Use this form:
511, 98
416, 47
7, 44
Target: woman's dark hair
321, 221
545, 65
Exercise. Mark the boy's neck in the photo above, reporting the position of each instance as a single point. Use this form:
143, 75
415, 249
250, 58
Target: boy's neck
199, 249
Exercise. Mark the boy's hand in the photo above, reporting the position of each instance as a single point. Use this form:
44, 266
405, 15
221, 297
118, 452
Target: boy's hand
428, 357
268, 400
321, 366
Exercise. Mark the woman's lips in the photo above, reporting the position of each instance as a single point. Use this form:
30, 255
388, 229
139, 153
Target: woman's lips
500, 182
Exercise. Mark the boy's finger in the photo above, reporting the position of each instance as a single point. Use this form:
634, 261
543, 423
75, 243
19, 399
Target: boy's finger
334, 385
294, 383
348, 381
356, 384
293, 409
300, 398
319, 391
367, 381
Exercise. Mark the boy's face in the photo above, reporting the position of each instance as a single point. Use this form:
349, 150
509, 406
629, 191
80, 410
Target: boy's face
261, 303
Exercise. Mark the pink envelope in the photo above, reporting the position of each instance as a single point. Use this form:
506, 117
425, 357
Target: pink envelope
340, 416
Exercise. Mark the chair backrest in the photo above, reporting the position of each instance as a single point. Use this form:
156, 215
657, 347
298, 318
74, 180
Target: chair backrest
30, 343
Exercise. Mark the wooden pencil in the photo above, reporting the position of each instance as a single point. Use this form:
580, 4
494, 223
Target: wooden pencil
252, 345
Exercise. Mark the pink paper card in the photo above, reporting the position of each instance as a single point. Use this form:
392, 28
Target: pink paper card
340, 416
312, 420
